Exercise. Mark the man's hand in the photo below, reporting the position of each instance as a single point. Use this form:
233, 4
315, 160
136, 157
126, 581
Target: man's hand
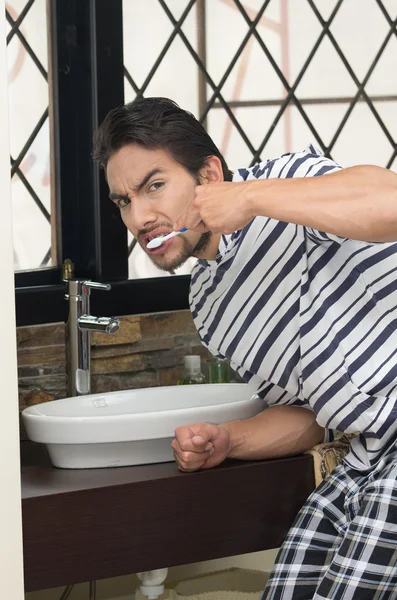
217, 207
200, 446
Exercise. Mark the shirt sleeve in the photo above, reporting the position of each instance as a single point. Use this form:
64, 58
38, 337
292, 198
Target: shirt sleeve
308, 163
311, 163
274, 395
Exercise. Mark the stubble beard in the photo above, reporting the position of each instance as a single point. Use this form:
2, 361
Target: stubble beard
187, 251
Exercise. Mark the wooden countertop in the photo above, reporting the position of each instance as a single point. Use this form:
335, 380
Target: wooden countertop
84, 525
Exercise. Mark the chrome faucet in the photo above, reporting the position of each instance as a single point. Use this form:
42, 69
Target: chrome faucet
78, 327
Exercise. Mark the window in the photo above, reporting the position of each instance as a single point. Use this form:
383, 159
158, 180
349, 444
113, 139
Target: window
30, 137
264, 76
267, 77
87, 80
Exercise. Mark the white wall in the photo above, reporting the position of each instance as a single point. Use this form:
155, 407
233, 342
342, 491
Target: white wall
11, 574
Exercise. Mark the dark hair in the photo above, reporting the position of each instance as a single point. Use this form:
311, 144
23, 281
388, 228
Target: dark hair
157, 123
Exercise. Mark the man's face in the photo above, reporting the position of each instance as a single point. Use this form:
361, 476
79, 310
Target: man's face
152, 191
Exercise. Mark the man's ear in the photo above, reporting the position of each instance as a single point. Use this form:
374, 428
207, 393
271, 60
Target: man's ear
211, 171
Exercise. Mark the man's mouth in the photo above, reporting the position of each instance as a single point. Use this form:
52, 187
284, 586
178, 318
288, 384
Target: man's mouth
156, 233
159, 232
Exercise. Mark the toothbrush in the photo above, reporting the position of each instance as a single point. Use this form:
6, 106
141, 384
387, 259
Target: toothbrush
156, 242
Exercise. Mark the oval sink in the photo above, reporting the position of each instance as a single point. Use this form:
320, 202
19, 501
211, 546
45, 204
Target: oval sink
132, 427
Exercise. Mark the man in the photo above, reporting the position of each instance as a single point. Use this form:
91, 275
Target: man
296, 286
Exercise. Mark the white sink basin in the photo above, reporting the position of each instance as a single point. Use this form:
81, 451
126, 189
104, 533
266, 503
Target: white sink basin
132, 427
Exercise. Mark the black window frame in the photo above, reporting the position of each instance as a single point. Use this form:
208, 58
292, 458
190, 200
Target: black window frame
87, 81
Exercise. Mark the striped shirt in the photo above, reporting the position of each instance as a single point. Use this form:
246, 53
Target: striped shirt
308, 317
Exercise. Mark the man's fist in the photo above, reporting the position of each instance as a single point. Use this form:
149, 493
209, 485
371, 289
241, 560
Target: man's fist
200, 446
217, 207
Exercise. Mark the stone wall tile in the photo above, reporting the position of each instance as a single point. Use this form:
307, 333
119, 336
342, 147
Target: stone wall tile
42, 355
129, 332
142, 346
41, 370
123, 381
187, 340
37, 397
147, 351
201, 351
169, 376
41, 335
170, 323
120, 364
54, 385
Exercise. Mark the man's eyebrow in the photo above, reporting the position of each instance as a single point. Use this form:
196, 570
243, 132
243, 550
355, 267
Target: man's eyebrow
147, 178
141, 184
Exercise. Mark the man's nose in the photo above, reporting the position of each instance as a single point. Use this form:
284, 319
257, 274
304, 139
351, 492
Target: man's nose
142, 214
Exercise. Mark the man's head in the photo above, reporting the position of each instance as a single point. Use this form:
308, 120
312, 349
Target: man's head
154, 155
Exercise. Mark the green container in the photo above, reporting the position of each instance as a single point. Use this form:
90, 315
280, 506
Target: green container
219, 371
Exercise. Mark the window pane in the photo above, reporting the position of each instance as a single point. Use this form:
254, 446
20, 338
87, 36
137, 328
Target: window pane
250, 119
27, 55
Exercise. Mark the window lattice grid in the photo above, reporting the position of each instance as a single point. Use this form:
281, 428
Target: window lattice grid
270, 19
29, 132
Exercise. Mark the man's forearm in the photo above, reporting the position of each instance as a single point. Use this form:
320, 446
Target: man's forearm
357, 203
276, 432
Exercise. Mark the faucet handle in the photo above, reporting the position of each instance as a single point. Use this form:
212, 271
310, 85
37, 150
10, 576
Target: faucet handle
97, 286
78, 288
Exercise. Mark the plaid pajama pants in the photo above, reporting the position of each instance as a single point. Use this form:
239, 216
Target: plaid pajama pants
343, 543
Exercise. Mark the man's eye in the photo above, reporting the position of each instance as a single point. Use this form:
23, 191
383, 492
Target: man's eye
156, 185
123, 202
